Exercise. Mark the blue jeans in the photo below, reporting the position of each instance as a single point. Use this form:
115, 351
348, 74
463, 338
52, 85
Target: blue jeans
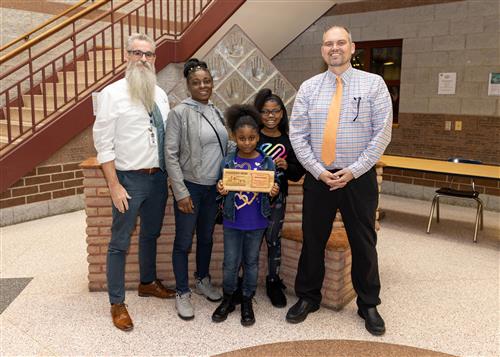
148, 199
202, 220
241, 247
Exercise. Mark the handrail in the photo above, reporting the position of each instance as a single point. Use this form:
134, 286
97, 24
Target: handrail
57, 17
69, 36
53, 30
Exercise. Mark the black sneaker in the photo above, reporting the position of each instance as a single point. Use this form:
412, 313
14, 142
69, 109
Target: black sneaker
274, 290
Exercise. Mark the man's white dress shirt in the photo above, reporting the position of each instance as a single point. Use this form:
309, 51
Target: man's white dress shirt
122, 128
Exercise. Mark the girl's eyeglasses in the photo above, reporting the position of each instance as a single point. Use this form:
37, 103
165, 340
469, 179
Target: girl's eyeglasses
274, 112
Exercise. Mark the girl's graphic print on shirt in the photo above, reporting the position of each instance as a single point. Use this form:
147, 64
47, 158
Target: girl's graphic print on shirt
243, 199
274, 151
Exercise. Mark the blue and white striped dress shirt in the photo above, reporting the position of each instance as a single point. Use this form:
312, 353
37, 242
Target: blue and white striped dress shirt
365, 124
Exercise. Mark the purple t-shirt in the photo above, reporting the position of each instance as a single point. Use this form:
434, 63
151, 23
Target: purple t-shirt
248, 216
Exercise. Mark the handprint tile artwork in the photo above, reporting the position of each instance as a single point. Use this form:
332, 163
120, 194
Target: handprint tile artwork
235, 45
218, 101
280, 86
218, 66
239, 70
235, 89
257, 68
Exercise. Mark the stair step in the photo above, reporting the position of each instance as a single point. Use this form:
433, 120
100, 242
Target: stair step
106, 53
80, 68
13, 127
108, 65
70, 89
39, 115
38, 100
70, 77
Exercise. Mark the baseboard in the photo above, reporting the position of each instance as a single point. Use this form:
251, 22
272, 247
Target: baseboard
31, 211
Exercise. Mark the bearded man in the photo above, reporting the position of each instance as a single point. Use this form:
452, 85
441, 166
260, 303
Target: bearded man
128, 136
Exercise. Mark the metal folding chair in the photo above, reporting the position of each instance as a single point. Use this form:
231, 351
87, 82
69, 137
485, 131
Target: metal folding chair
465, 194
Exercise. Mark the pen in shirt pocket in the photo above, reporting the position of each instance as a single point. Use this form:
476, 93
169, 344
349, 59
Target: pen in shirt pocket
358, 102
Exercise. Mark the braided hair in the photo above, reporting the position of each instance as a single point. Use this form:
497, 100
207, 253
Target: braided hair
193, 65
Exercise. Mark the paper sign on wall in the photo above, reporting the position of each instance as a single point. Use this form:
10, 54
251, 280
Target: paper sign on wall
494, 84
447, 83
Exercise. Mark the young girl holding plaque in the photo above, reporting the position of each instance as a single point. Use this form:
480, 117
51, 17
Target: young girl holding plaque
245, 214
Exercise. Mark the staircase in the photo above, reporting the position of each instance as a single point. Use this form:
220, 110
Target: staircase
54, 94
47, 100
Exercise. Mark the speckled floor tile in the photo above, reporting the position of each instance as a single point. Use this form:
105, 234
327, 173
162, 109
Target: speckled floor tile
439, 292
14, 342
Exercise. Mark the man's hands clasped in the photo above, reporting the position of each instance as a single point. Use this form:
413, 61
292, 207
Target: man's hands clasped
336, 180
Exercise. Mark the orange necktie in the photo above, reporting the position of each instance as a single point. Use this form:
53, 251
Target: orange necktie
332, 122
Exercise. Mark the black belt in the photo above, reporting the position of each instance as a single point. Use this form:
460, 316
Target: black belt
150, 171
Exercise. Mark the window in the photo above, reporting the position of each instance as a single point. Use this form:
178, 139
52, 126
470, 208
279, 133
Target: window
384, 59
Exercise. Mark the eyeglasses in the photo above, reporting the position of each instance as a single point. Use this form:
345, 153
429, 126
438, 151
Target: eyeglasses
139, 54
331, 44
274, 112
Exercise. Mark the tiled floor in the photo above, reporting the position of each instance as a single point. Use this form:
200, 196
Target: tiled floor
10, 288
439, 292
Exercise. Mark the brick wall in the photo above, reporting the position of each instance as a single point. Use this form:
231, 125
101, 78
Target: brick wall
422, 135
337, 289
55, 186
44, 183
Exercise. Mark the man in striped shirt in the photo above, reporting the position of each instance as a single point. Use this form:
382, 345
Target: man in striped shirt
340, 175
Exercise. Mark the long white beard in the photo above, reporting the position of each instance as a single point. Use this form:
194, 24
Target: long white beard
141, 82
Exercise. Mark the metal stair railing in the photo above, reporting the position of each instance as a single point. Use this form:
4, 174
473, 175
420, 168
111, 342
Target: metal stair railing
26, 36
57, 69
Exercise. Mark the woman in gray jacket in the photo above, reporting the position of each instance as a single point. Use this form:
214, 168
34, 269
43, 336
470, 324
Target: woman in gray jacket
196, 140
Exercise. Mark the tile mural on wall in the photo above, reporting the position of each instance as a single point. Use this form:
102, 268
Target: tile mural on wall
240, 70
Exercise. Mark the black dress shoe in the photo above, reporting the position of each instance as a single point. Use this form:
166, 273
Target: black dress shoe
274, 290
300, 310
373, 321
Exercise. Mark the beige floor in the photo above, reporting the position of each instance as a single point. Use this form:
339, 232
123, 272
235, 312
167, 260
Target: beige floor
439, 292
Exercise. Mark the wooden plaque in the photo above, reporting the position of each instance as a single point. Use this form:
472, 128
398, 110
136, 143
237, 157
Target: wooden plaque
248, 180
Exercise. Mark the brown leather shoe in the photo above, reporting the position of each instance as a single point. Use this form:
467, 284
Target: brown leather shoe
156, 289
121, 318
